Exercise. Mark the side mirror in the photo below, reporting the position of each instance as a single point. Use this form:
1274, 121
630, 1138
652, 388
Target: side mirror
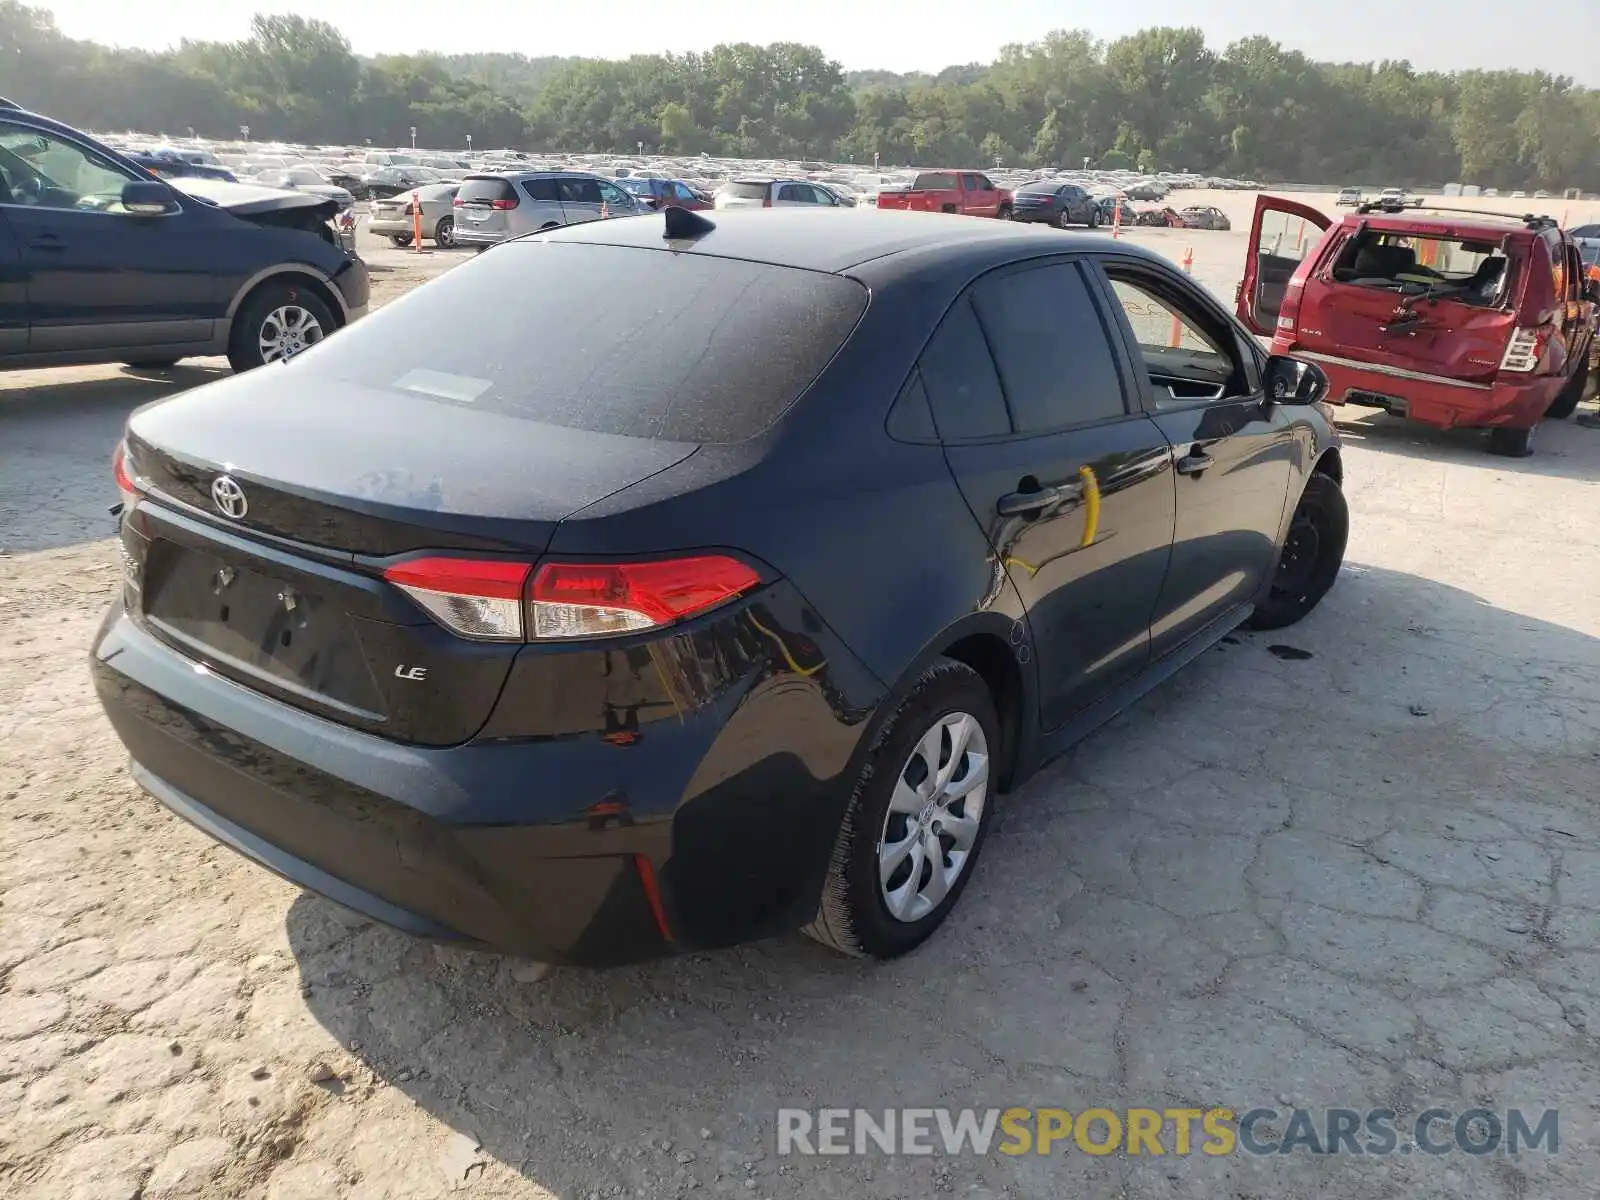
147, 198
1292, 381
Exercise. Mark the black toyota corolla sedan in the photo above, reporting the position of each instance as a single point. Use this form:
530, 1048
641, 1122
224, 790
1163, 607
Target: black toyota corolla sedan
656, 584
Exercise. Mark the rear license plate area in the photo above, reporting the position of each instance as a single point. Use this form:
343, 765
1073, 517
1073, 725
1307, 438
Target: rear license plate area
252, 625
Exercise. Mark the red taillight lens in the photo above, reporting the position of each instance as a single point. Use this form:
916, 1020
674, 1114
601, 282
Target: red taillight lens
567, 600
458, 202
505, 204
766, 201
119, 472
495, 600
477, 598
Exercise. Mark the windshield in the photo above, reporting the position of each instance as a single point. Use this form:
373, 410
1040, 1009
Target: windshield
613, 339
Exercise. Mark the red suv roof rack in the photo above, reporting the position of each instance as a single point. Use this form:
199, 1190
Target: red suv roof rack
1395, 208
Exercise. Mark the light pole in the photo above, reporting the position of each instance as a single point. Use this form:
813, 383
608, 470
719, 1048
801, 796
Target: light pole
641, 149
1085, 162
469, 143
413, 137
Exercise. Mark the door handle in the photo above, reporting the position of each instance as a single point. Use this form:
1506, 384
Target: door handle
1016, 504
1194, 462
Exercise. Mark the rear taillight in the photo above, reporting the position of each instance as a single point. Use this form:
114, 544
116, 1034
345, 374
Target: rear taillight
1525, 349
505, 204
495, 600
477, 598
576, 600
119, 472
458, 202
766, 200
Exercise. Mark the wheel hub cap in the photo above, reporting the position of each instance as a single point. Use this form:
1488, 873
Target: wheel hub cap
287, 331
934, 816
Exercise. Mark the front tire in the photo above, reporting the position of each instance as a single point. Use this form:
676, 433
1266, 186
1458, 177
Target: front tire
277, 322
1094, 218
916, 819
1313, 552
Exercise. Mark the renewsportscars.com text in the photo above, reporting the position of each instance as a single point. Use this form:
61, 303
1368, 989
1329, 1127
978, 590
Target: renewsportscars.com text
1154, 1132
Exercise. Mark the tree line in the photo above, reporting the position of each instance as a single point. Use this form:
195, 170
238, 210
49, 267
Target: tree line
1160, 99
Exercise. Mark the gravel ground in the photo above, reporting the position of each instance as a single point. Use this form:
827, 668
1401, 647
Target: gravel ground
1350, 864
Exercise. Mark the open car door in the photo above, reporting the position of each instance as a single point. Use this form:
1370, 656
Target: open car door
1282, 235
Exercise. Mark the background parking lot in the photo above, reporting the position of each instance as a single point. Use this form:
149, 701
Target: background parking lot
1354, 864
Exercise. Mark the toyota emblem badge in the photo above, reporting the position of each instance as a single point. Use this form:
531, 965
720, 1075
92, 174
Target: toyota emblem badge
228, 496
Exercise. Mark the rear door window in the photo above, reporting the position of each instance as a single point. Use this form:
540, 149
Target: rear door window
578, 335
1052, 348
959, 376
544, 190
579, 191
792, 192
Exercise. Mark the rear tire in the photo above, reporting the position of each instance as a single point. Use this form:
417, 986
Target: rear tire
1313, 551
444, 233
277, 321
949, 717
400, 243
1063, 219
1511, 443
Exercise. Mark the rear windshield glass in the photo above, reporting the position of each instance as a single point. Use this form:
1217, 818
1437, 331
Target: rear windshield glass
935, 181
613, 339
484, 189
1039, 189
746, 191
1471, 270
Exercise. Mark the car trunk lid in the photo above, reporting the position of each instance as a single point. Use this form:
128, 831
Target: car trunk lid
288, 596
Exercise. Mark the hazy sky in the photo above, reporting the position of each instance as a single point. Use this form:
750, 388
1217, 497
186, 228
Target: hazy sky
900, 35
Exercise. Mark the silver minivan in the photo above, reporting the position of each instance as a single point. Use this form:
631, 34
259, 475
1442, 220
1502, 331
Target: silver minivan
492, 207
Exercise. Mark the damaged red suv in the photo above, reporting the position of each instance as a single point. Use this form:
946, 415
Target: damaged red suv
1453, 318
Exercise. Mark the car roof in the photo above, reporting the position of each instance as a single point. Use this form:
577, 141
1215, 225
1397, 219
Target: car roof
545, 174
836, 240
1487, 225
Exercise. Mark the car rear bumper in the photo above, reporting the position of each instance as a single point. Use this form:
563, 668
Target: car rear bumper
1432, 399
706, 828
465, 235
1045, 215
396, 226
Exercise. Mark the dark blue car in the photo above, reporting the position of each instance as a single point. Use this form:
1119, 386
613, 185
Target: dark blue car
1053, 203
101, 260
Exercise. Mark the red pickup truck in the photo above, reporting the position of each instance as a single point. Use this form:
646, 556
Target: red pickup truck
968, 192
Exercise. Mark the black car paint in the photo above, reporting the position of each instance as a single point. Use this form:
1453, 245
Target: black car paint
721, 752
87, 287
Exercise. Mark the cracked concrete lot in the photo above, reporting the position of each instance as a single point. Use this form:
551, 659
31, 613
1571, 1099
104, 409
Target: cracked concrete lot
1368, 877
